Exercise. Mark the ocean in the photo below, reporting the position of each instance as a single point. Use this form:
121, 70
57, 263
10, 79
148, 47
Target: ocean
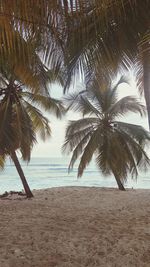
53, 172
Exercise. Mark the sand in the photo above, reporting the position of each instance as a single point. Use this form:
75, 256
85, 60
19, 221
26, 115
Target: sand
76, 227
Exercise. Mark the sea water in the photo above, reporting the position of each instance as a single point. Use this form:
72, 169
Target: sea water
53, 172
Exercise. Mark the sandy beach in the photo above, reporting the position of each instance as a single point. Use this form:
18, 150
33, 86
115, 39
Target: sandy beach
76, 227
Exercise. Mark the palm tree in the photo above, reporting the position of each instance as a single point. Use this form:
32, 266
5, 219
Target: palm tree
20, 117
21, 120
118, 146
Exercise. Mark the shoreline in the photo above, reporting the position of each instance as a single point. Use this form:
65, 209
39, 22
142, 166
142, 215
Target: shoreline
21, 191
76, 226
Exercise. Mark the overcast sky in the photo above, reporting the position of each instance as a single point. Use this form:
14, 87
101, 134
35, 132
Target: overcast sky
52, 147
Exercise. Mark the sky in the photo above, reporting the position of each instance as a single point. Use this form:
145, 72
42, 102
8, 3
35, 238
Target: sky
52, 147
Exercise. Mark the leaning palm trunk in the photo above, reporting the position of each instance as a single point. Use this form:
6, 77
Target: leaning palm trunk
119, 183
146, 70
21, 174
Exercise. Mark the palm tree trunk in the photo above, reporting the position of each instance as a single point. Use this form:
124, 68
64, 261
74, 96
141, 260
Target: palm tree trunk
119, 183
146, 74
21, 174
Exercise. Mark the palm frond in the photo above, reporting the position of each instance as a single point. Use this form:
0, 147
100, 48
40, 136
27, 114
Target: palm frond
137, 132
125, 105
88, 152
105, 34
139, 154
79, 149
22, 125
2, 162
72, 140
40, 123
83, 102
76, 126
112, 155
7, 136
48, 103
102, 94
71, 100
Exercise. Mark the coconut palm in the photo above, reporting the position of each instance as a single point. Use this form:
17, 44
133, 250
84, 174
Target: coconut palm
118, 146
21, 119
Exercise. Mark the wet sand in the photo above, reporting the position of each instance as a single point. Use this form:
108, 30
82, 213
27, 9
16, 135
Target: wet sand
76, 227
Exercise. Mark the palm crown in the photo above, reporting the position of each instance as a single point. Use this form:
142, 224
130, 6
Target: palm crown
118, 146
21, 119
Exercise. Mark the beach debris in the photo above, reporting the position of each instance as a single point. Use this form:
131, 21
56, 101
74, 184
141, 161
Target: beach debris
5, 194
18, 252
11, 193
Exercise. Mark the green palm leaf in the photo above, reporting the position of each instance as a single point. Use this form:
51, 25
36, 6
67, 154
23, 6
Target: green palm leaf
47, 103
125, 105
88, 152
137, 132
2, 162
40, 123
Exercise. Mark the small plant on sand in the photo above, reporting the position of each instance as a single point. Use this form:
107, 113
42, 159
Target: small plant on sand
118, 146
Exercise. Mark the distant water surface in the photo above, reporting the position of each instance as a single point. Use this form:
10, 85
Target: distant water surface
53, 172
